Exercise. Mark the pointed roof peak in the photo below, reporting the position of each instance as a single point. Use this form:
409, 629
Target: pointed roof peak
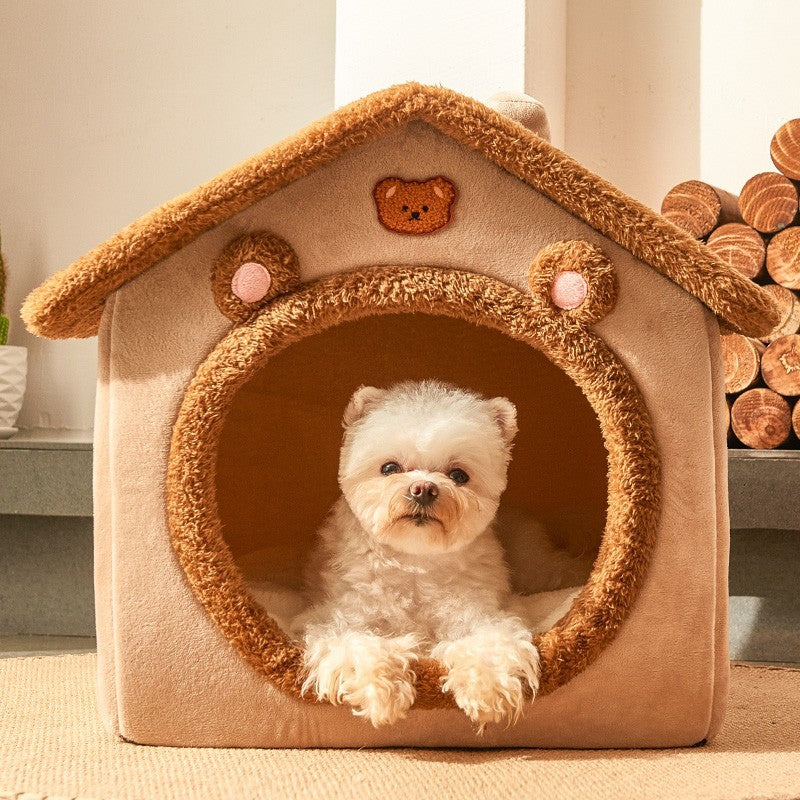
71, 302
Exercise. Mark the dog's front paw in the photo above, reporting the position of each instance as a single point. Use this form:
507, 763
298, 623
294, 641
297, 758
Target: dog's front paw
383, 697
485, 694
371, 674
490, 681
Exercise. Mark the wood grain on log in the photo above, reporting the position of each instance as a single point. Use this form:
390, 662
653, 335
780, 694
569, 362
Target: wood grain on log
780, 365
796, 419
698, 208
768, 202
741, 361
789, 307
783, 257
739, 246
729, 429
785, 149
761, 419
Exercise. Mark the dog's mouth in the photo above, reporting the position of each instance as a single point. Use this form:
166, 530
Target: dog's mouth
420, 519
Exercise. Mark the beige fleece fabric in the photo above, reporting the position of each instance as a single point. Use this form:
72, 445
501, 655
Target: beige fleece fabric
103, 494
719, 412
53, 747
205, 693
168, 676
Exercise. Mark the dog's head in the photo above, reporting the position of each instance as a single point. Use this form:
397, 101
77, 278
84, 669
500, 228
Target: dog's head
423, 464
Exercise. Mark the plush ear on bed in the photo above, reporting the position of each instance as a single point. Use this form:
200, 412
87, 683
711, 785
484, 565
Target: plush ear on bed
573, 280
251, 271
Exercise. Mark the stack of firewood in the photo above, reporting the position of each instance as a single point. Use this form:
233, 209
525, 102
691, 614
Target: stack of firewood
757, 233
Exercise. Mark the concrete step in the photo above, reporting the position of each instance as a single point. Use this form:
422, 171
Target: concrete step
19, 646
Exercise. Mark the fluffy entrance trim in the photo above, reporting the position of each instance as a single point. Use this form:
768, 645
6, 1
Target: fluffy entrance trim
633, 463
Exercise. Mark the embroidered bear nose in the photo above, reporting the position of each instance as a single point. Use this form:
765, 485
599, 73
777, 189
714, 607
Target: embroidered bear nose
424, 492
415, 215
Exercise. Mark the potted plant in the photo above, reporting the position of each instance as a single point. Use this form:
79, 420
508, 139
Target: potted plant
13, 367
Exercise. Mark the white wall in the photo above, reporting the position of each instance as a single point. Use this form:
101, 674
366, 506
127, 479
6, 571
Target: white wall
546, 61
749, 68
659, 92
633, 97
471, 46
109, 108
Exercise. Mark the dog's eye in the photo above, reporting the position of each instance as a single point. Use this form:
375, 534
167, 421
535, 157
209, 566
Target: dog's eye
405, 208
390, 468
424, 208
458, 476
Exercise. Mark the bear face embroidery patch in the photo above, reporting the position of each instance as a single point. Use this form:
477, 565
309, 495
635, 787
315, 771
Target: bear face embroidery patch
414, 207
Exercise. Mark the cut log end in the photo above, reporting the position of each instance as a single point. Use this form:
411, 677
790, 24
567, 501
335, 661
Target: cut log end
768, 202
739, 246
783, 258
785, 149
698, 208
741, 361
728, 429
789, 308
796, 419
780, 365
761, 419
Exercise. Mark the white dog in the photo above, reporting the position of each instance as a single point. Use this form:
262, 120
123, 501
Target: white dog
407, 563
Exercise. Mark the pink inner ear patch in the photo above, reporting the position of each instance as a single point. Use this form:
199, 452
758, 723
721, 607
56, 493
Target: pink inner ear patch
569, 289
251, 282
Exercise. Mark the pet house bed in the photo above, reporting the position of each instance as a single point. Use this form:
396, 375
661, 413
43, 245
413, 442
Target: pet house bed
415, 233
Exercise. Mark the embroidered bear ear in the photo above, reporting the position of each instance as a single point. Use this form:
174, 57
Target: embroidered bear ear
574, 280
251, 271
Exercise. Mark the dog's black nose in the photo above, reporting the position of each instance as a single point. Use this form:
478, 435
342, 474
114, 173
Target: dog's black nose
415, 215
424, 493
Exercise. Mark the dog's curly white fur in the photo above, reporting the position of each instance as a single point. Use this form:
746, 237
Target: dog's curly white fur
407, 563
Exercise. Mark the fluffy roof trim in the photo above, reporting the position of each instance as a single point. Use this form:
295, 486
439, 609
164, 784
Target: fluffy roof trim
70, 303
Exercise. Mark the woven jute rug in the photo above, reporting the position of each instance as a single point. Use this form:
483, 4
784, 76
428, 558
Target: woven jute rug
52, 746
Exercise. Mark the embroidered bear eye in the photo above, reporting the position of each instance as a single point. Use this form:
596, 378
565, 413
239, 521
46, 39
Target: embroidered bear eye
390, 468
424, 208
458, 476
405, 208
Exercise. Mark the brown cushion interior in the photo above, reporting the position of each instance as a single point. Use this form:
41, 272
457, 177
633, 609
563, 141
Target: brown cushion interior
278, 452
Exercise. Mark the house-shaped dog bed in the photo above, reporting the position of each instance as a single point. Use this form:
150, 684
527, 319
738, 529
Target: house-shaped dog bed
415, 233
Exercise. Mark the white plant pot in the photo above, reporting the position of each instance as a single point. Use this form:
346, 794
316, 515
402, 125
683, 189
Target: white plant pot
13, 372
